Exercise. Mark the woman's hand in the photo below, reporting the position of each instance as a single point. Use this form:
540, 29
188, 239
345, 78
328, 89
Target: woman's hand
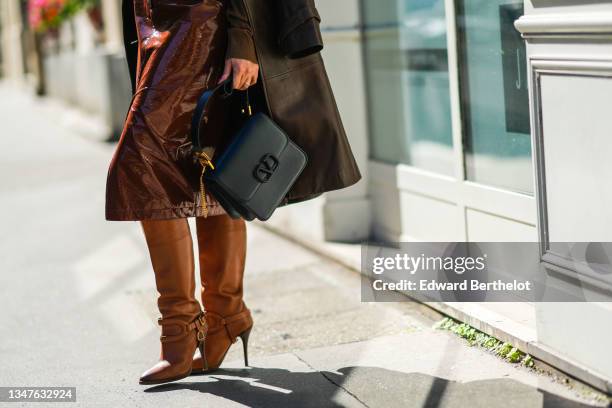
244, 72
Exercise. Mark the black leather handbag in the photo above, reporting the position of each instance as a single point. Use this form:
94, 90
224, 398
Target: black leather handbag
256, 169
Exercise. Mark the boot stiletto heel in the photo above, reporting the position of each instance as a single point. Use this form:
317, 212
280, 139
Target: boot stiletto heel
245, 345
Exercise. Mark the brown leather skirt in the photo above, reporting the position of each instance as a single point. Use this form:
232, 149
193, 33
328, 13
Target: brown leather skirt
152, 175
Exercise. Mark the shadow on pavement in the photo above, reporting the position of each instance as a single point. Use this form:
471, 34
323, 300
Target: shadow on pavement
363, 386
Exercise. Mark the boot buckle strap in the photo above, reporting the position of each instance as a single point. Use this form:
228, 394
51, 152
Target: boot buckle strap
201, 326
232, 338
201, 335
227, 324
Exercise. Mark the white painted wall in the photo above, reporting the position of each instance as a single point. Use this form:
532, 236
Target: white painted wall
11, 40
573, 56
113, 31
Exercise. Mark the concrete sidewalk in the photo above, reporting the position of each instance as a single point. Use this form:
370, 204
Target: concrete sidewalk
78, 301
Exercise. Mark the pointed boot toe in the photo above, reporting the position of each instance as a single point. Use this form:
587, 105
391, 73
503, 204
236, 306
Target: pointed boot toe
178, 342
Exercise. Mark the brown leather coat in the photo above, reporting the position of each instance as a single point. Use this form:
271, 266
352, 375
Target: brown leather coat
283, 37
300, 99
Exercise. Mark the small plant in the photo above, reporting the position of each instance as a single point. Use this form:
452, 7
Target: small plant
45, 15
477, 338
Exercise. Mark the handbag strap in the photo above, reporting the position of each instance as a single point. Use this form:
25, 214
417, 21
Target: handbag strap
201, 109
225, 90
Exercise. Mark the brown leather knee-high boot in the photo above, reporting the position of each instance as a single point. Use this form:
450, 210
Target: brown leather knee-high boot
183, 325
222, 248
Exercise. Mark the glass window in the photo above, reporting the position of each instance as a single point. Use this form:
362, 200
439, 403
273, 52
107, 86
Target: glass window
408, 83
494, 97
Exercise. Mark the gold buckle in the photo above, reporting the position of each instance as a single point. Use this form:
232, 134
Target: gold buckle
201, 336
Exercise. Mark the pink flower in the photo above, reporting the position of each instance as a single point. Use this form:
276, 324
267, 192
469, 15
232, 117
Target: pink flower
44, 14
